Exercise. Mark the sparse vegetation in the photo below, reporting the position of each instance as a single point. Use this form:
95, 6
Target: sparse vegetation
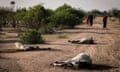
31, 37
115, 13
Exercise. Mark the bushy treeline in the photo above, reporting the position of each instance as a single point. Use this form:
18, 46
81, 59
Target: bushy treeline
40, 18
44, 20
66, 16
5, 15
114, 12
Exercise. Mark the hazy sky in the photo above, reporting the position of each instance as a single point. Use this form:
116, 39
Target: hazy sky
53, 4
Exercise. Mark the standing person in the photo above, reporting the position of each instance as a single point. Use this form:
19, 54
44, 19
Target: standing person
105, 20
87, 19
91, 20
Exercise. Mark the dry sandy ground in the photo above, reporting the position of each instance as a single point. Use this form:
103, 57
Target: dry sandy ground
105, 57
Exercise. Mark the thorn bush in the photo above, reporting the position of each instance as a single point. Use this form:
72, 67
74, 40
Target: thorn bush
31, 37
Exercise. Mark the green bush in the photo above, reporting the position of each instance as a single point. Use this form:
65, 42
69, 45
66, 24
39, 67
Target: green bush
66, 17
31, 37
46, 29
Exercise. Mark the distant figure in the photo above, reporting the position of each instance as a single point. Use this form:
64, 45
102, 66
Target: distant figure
87, 20
105, 21
91, 20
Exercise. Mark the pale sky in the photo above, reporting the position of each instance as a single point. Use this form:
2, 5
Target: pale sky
53, 4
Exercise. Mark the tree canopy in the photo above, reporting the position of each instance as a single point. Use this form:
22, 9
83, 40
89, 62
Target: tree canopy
67, 16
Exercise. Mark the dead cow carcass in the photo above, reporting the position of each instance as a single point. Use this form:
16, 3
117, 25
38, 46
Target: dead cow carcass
86, 40
23, 47
79, 61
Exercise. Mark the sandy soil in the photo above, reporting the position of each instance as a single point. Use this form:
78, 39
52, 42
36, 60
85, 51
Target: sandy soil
105, 57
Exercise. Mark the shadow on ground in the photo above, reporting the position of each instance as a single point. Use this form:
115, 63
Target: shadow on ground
98, 67
19, 50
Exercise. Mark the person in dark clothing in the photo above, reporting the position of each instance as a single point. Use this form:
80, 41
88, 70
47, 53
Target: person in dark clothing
91, 20
105, 21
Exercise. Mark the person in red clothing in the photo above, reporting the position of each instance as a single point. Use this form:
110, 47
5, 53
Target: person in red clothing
87, 20
105, 21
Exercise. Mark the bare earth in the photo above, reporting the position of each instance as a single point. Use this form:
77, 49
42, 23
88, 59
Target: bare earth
104, 53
